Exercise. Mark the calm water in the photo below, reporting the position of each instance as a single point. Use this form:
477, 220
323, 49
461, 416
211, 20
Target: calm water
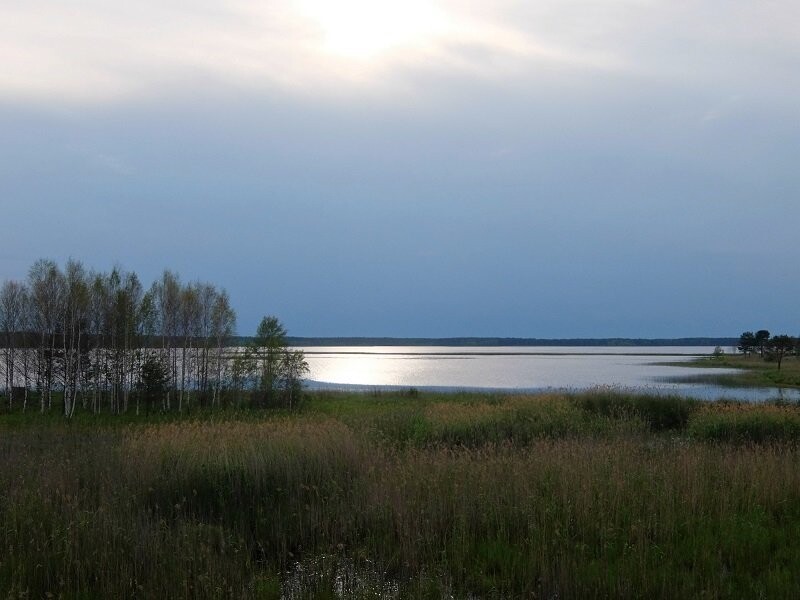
520, 369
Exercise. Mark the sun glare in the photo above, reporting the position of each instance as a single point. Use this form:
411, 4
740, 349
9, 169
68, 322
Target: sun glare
365, 29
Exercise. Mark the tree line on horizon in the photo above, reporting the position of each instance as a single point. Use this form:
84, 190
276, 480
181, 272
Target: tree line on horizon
101, 342
768, 347
509, 341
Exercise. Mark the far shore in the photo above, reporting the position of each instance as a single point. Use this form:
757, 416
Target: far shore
508, 341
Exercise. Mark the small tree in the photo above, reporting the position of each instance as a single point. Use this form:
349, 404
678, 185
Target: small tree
152, 384
269, 346
293, 368
779, 346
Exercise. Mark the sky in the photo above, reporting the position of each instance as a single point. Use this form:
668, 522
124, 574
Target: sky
554, 168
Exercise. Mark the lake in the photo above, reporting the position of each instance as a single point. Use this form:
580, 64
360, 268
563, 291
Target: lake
521, 368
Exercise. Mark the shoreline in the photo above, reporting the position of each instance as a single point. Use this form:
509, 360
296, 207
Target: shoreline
752, 372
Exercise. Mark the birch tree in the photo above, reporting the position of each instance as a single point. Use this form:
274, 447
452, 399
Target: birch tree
76, 306
47, 296
207, 296
223, 326
189, 319
13, 301
292, 370
166, 293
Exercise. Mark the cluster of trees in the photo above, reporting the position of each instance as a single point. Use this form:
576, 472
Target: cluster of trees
268, 369
768, 346
101, 341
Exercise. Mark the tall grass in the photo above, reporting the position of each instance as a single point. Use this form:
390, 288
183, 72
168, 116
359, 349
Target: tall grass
659, 412
465, 496
742, 423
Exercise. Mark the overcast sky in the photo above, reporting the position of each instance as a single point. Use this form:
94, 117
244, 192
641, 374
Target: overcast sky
556, 168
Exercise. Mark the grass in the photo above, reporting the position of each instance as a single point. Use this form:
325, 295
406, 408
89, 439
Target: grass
753, 371
599, 494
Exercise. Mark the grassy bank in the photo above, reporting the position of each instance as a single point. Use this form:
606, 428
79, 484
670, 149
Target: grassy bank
754, 371
370, 496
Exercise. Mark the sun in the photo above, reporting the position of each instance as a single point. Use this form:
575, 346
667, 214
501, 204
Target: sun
366, 29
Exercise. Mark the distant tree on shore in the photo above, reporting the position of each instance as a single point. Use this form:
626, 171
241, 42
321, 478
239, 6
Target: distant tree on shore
762, 338
747, 343
774, 348
779, 346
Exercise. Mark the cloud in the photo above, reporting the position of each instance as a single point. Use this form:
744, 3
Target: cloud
89, 51
99, 51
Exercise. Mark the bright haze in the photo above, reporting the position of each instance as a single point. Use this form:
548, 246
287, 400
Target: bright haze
553, 168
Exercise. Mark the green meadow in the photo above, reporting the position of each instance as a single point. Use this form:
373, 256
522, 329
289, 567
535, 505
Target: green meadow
407, 495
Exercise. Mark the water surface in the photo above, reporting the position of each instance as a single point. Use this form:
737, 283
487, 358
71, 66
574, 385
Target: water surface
521, 368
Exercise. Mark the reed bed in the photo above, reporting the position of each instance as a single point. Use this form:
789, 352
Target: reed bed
567, 496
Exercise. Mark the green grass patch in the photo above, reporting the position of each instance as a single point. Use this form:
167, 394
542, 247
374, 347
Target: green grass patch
753, 371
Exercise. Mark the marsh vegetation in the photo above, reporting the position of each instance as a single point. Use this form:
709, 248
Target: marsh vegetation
406, 495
